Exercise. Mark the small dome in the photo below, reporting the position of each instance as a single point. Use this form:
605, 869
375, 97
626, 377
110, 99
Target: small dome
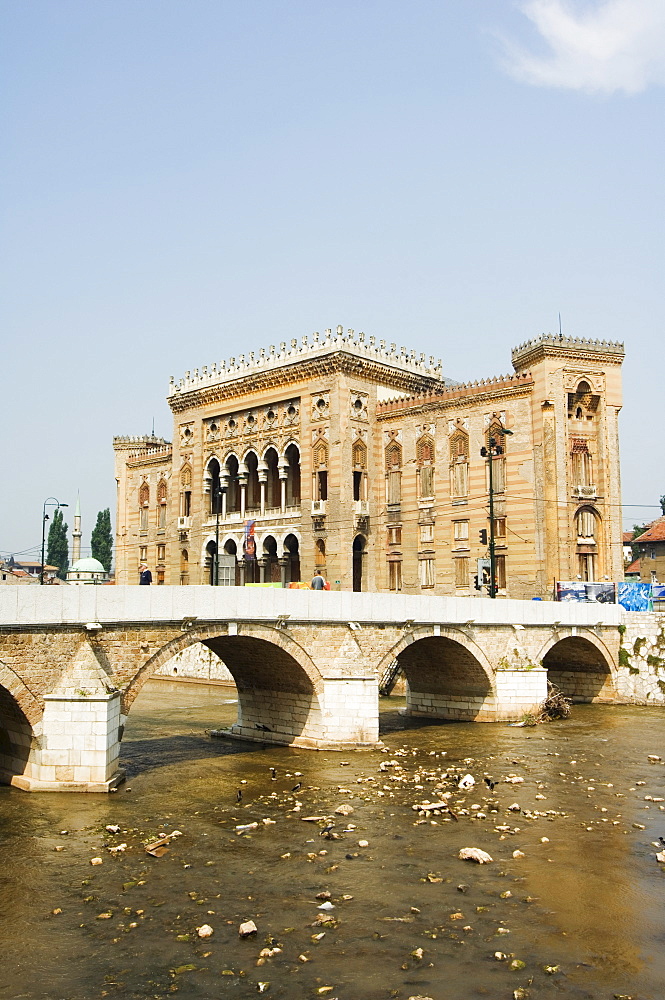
87, 566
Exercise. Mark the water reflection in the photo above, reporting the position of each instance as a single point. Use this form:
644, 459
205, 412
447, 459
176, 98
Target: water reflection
586, 898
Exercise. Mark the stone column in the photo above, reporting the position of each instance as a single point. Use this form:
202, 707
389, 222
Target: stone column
282, 484
283, 565
264, 563
263, 478
242, 479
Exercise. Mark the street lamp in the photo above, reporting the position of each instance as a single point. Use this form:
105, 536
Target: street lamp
218, 494
49, 502
490, 454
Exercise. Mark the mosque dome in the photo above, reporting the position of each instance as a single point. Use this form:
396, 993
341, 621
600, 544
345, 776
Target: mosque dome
88, 565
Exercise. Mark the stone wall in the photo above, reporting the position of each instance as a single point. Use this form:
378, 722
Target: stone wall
196, 663
641, 676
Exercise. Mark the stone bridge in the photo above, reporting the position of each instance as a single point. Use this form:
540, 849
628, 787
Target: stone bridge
306, 665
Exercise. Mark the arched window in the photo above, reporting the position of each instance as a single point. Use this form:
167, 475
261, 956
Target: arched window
161, 504
273, 489
232, 484
581, 463
495, 434
587, 526
320, 554
144, 501
186, 491
359, 459
292, 455
184, 567
393, 473
320, 470
425, 465
459, 464
253, 501
292, 555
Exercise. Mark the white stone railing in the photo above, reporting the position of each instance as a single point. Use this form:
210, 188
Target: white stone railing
26, 607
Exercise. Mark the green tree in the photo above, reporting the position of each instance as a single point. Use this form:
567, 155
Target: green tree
638, 529
58, 546
101, 540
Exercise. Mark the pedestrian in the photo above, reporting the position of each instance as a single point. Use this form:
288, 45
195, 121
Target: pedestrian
318, 583
145, 579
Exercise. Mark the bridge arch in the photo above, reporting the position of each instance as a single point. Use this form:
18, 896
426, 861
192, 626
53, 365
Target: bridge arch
19, 712
448, 676
581, 666
280, 690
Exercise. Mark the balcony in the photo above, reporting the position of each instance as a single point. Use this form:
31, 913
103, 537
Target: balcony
184, 523
319, 508
585, 492
361, 508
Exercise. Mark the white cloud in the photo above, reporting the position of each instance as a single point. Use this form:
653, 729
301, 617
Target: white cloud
611, 45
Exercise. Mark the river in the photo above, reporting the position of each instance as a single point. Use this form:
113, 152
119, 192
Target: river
576, 913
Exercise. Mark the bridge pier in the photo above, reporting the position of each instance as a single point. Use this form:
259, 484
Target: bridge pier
343, 716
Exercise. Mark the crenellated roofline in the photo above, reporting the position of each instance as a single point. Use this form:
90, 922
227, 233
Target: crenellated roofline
318, 346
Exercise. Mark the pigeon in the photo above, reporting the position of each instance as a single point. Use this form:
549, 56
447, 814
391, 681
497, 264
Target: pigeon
239, 795
273, 774
296, 788
262, 727
490, 784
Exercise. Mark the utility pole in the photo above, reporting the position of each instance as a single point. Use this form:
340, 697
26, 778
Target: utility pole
490, 454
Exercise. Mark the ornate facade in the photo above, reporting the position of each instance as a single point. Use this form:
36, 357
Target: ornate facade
364, 461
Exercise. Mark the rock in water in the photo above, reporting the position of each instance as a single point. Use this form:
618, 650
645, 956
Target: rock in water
247, 929
475, 854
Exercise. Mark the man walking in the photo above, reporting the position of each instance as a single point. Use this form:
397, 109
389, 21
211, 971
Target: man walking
318, 583
145, 579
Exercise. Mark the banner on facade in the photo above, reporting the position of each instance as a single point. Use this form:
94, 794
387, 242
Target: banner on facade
634, 595
585, 593
249, 541
658, 591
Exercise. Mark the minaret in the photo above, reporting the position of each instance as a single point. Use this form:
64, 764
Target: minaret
76, 533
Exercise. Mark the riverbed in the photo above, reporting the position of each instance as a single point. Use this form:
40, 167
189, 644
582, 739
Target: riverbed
571, 906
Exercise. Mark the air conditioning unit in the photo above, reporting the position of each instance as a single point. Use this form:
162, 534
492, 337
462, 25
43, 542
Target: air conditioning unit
184, 523
319, 506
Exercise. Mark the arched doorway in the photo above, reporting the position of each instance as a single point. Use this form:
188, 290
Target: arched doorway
271, 561
273, 488
358, 552
253, 502
15, 738
292, 556
445, 680
580, 669
210, 561
292, 455
231, 549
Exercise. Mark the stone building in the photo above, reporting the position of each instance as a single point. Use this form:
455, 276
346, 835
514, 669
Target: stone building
360, 459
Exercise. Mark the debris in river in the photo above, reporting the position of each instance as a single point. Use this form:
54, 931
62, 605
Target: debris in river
205, 931
247, 928
96, 861
468, 781
247, 826
475, 854
344, 810
519, 854
113, 828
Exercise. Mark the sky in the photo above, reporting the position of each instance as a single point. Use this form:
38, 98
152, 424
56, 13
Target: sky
184, 182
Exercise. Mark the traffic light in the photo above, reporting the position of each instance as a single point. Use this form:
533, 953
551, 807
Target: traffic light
483, 536
476, 583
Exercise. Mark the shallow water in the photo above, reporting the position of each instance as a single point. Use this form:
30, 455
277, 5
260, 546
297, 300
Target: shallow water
588, 901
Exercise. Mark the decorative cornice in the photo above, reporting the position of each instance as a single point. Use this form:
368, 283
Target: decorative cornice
302, 370
251, 365
607, 351
454, 396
